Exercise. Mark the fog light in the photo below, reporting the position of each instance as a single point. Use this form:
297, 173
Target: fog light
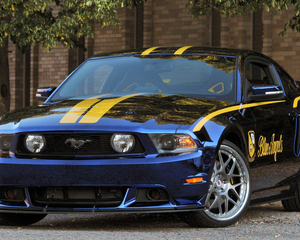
5, 142
122, 143
35, 143
153, 194
10, 194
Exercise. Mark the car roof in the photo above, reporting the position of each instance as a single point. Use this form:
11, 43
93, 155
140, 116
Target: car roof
180, 50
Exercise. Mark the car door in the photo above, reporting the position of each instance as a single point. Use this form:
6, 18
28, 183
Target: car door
292, 92
274, 131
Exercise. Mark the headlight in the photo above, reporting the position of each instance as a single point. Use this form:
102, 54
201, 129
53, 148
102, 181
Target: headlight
122, 143
35, 143
173, 143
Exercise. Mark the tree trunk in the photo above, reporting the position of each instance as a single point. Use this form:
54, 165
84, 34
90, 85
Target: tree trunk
4, 79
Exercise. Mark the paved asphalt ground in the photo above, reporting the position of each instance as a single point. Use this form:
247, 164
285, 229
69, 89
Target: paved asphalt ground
268, 221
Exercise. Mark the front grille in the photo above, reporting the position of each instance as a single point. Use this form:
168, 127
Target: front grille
57, 147
71, 197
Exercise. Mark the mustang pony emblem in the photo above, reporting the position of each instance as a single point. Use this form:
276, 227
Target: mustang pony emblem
76, 143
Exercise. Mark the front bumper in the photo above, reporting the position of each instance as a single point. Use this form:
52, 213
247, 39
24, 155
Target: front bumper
134, 176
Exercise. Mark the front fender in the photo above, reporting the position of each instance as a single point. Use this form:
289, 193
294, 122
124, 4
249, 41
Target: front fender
232, 127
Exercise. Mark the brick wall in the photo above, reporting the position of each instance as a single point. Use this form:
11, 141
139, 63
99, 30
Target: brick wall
173, 25
237, 32
165, 23
12, 75
148, 24
116, 38
34, 74
267, 37
53, 66
286, 50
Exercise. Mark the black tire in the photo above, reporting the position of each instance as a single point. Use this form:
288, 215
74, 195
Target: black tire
20, 219
293, 204
229, 192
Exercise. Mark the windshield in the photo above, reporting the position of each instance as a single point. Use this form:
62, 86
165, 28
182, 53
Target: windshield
198, 76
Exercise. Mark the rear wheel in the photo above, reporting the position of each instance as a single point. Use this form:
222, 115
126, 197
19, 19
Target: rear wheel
293, 204
229, 192
20, 219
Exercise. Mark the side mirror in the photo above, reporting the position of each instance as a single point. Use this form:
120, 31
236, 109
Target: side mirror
43, 93
261, 93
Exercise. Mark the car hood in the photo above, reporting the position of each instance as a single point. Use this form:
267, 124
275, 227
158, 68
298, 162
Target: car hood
112, 113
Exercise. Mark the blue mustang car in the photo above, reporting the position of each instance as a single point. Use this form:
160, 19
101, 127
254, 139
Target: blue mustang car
204, 132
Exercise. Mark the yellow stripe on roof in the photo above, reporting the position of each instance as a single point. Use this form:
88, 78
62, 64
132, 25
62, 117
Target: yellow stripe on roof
101, 108
296, 100
229, 109
148, 51
181, 50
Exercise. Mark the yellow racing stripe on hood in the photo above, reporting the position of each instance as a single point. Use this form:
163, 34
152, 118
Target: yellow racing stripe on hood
79, 109
101, 108
204, 120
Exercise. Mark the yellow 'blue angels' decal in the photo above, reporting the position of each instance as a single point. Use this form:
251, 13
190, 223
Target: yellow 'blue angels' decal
269, 148
264, 148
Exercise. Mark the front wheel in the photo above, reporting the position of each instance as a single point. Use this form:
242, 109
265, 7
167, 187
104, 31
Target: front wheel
20, 219
229, 191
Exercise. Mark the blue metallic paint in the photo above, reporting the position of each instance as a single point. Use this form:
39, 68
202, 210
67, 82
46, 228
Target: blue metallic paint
147, 171
131, 173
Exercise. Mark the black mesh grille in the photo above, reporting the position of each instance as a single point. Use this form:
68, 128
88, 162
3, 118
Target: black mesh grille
57, 146
84, 197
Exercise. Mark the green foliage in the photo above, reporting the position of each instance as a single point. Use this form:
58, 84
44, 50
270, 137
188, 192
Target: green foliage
50, 22
230, 8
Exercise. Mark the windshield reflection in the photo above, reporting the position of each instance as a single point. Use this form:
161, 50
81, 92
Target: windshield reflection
211, 77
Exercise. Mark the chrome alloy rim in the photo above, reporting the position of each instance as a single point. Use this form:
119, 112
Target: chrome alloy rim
229, 185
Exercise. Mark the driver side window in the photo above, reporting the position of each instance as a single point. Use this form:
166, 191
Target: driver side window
258, 74
262, 81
